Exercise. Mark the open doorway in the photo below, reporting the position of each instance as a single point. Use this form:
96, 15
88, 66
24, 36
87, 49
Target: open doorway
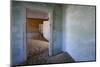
37, 36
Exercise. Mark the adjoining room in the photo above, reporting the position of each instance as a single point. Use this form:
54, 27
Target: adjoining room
38, 35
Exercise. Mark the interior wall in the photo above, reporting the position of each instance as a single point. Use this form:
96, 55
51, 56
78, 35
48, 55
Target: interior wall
33, 27
18, 29
18, 46
46, 30
55, 11
37, 14
57, 29
79, 32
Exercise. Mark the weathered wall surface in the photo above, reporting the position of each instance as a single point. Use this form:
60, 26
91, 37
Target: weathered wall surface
57, 29
73, 30
18, 29
79, 32
17, 33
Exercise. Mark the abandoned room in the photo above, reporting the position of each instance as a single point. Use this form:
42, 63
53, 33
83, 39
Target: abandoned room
51, 33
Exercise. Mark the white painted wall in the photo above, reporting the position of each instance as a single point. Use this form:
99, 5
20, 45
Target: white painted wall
79, 32
46, 30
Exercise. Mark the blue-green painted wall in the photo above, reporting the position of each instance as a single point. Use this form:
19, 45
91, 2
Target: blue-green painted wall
18, 28
57, 29
79, 32
18, 19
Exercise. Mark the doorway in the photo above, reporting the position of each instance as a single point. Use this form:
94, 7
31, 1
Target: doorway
37, 36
